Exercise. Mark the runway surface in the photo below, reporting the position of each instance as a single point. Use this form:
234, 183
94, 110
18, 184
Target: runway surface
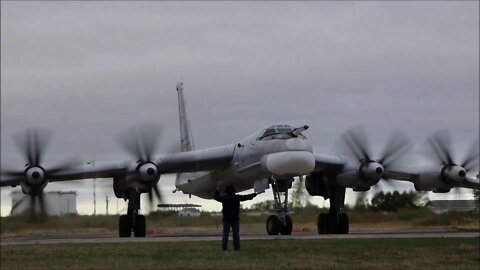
77, 239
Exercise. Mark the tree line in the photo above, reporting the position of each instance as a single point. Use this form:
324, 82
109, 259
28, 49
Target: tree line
381, 201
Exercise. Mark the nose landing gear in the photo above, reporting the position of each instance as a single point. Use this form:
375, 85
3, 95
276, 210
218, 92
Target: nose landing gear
281, 222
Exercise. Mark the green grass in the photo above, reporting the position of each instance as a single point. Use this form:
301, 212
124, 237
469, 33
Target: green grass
19, 223
403, 219
436, 253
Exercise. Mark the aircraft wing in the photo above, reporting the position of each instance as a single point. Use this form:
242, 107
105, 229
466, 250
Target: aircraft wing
414, 175
191, 161
10, 182
402, 173
74, 173
470, 183
198, 160
327, 162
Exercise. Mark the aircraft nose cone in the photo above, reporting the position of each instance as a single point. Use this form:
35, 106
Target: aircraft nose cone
379, 170
462, 173
150, 171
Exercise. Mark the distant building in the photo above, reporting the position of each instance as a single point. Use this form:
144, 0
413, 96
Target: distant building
443, 206
183, 210
255, 213
189, 212
57, 203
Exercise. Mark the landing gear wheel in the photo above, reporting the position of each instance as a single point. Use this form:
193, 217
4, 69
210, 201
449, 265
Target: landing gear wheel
273, 225
343, 225
331, 223
322, 223
287, 228
140, 226
124, 226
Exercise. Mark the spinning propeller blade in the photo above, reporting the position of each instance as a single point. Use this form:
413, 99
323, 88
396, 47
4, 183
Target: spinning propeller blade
356, 144
471, 160
32, 144
371, 170
141, 142
441, 151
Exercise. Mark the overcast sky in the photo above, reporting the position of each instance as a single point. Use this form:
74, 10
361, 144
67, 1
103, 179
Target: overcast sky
89, 70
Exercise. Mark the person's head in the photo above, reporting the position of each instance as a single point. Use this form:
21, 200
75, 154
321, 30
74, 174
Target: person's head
230, 190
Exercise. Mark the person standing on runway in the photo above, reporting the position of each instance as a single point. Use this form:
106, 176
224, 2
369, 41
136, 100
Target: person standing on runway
231, 213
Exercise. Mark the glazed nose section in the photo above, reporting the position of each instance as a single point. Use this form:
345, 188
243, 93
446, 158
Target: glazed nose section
290, 163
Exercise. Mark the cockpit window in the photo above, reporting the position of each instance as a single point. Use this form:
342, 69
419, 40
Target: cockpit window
276, 132
268, 132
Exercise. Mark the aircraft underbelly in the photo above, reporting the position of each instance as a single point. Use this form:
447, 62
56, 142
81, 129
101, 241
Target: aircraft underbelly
200, 184
204, 184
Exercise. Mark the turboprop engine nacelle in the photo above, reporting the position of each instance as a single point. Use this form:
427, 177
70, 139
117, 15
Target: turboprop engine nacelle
35, 176
35, 181
455, 173
360, 178
433, 179
371, 172
315, 184
148, 172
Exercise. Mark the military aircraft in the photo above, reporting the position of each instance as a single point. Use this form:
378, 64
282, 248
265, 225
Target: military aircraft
271, 157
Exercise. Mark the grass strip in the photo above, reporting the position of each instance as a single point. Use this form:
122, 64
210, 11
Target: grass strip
422, 253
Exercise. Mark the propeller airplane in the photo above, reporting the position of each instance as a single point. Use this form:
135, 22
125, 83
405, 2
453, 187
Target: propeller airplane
271, 157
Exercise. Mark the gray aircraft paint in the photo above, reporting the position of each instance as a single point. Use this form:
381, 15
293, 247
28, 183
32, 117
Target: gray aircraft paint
186, 137
183, 181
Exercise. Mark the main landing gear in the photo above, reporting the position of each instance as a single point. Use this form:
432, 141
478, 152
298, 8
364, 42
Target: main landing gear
333, 222
281, 223
132, 221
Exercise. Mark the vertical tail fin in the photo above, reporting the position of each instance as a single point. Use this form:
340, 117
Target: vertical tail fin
186, 137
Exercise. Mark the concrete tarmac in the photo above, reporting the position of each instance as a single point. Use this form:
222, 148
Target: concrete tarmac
78, 239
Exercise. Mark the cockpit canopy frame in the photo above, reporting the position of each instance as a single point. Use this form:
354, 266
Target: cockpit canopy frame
277, 132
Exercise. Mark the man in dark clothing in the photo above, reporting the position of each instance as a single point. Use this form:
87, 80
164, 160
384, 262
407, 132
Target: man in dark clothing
231, 211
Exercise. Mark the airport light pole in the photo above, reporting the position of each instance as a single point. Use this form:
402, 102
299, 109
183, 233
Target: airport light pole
106, 200
92, 162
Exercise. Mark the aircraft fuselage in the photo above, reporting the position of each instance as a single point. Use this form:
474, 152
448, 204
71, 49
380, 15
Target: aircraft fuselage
253, 161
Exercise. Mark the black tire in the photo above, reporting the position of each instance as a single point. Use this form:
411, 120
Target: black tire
331, 224
124, 226
273, 225
322, 223
287, 228
343, 223
140, 226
